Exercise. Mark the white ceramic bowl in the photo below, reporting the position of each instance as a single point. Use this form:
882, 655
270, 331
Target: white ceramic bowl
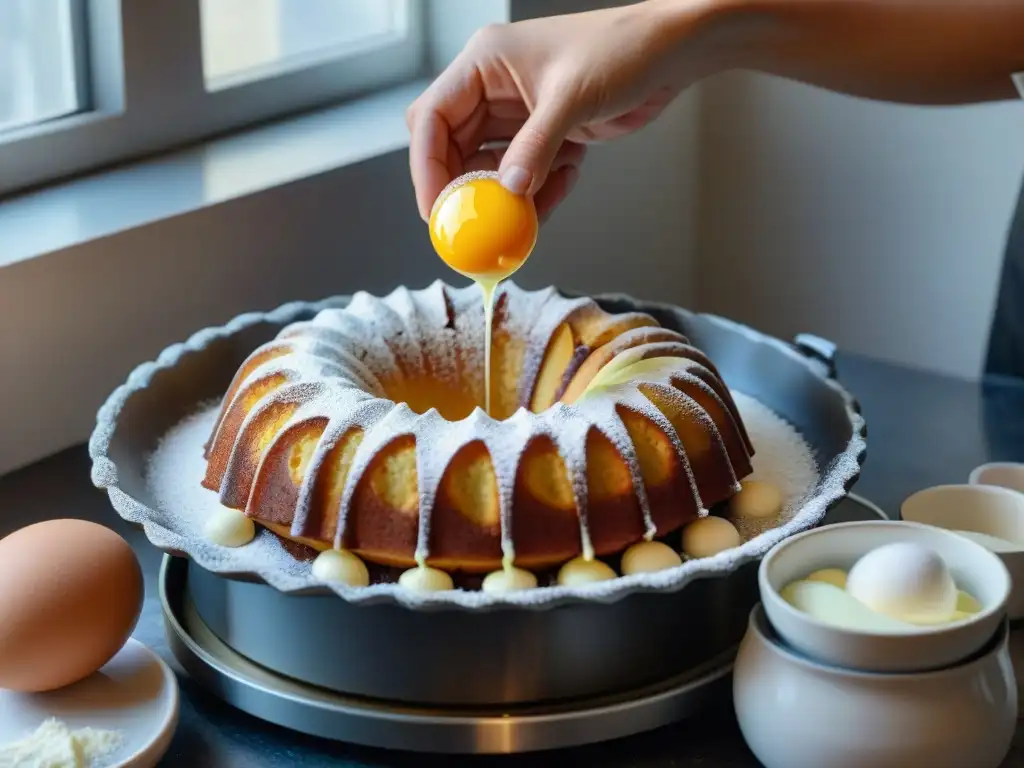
1008, 474
796, 713
986, 509
974, 568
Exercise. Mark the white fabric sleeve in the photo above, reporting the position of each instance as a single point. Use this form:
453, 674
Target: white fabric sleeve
1018, 80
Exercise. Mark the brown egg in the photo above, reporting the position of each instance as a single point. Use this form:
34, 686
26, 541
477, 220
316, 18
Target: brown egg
71, 593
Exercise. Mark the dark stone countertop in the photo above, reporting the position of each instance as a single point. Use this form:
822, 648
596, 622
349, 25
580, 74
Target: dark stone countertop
923, 430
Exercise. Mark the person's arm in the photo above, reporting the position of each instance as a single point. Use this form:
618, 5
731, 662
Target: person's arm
910, 51
548, 85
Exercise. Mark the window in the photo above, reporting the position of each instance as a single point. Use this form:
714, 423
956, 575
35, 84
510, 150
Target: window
86, 83
38, 68
249, 38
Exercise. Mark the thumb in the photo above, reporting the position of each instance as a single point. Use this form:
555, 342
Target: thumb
530, 155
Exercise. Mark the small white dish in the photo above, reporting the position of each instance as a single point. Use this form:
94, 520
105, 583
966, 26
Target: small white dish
974, 569
797, 713
989, 510
1006, 474
135, 695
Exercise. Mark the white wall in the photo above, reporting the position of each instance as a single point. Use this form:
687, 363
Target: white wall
879, 226
630, 223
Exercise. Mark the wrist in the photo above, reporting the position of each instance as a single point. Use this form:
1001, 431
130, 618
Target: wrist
705, 37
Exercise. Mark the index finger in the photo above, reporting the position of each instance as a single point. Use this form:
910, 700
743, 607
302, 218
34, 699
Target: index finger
428, 159
433, 119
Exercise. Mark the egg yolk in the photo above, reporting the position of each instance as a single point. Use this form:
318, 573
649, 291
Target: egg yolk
482, 230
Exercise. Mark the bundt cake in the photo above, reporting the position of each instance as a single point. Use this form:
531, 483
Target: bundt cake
361, 429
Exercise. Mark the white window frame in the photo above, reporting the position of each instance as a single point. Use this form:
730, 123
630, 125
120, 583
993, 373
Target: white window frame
145, 90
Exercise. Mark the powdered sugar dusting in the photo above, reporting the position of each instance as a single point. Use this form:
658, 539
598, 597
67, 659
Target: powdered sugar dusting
788, 464
182, 506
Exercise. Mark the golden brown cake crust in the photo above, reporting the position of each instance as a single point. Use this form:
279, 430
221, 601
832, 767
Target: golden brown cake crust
310, 443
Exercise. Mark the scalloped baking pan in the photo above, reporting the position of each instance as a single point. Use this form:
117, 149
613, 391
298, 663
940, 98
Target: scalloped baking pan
562, 648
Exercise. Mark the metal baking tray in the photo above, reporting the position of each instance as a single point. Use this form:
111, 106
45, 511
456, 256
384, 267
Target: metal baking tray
371, 722
505, 655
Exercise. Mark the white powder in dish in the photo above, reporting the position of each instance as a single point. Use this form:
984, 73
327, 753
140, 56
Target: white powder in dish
781, 457
55, 745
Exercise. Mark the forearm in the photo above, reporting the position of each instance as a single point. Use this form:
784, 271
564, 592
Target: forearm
913, 51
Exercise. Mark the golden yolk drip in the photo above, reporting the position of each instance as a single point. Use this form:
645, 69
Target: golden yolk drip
486, 233
487, 287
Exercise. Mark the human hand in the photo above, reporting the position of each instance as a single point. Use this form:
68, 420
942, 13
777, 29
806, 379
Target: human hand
540, 90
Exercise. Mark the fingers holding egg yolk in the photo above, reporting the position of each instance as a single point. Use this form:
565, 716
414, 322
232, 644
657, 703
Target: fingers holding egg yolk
482, 230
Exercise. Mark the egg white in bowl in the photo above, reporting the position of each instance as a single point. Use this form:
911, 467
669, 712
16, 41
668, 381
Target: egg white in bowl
883, 645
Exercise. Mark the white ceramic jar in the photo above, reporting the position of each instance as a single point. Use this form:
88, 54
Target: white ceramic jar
797, 713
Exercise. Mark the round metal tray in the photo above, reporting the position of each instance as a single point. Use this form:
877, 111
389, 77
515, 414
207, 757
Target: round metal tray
467, 730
